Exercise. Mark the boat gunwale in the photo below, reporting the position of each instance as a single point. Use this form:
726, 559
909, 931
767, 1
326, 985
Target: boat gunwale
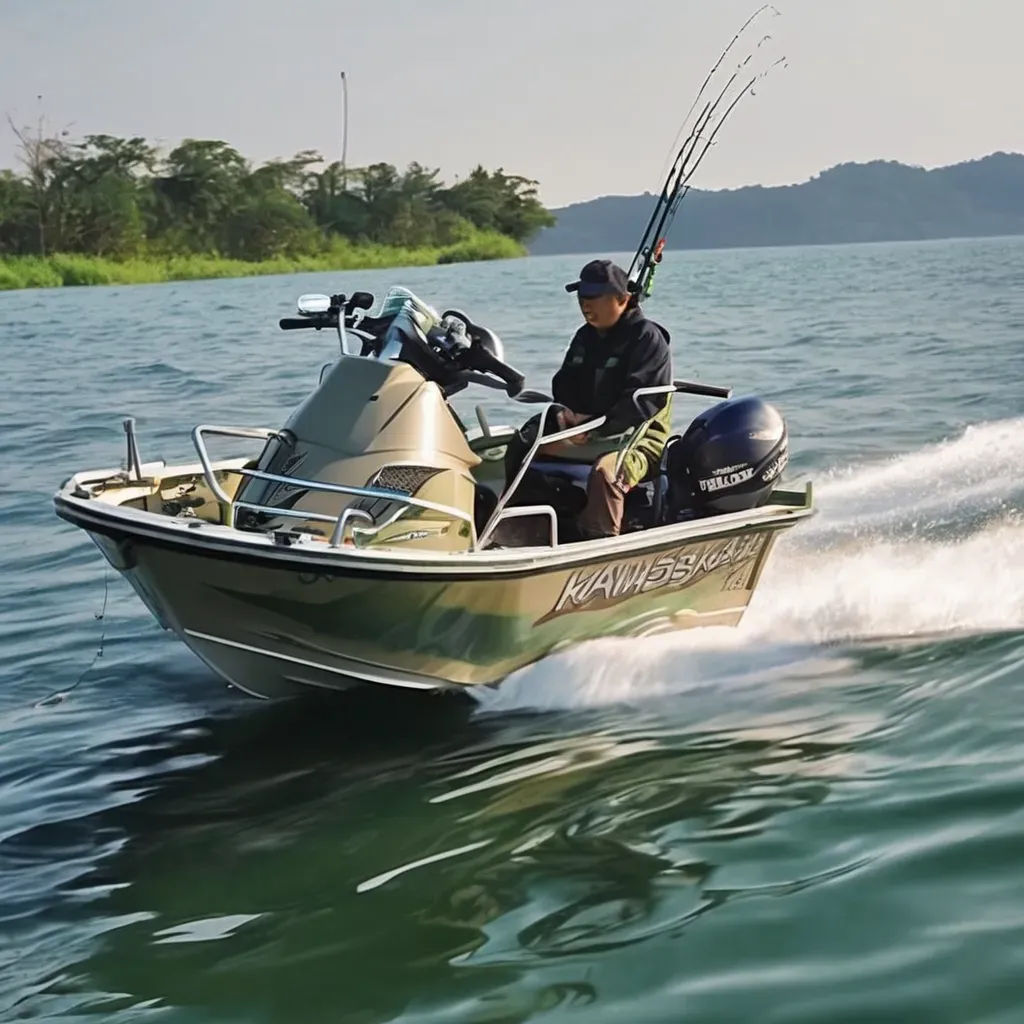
210, 539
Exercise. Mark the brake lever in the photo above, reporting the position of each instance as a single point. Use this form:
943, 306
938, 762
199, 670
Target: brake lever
485, 379
530, 397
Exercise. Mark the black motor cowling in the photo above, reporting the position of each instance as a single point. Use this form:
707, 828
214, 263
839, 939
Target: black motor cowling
728, 460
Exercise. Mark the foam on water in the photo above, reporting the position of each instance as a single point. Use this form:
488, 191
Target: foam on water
865, 567
983, 452
975, 472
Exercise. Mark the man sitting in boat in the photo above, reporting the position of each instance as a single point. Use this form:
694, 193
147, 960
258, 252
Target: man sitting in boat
615, 352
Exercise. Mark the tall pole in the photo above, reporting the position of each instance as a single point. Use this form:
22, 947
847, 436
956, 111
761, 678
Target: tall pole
344, 133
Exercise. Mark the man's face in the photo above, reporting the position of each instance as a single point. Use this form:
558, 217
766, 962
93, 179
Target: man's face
603, 311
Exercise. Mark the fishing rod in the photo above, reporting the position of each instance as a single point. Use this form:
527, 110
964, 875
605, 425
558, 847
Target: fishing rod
691, 154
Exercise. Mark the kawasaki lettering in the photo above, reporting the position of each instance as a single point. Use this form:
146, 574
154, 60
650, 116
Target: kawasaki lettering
617, 581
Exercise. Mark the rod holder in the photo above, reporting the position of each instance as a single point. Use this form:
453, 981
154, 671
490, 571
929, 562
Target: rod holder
481, 418
134, 462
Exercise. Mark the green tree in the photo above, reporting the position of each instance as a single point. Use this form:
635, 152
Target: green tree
96, 193
335, 209
268, 224
499, 202
116, 197
18, 217
198, 190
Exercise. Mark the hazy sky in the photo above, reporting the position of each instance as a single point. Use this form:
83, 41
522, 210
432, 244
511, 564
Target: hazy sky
584, 95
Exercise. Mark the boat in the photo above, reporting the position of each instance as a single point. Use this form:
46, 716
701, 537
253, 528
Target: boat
373, 541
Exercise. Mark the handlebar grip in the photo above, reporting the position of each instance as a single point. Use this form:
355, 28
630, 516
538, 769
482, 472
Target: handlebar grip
513, 379
709, 390
305, 323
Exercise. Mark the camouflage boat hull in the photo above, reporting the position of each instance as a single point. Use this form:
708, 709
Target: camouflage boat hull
274, 619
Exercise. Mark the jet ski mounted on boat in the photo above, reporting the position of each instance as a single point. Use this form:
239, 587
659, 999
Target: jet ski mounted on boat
372, 540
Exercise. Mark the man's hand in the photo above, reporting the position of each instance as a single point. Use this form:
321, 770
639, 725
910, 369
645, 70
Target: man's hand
567, 418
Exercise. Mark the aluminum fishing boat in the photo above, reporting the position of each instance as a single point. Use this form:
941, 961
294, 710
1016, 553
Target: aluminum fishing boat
373, 540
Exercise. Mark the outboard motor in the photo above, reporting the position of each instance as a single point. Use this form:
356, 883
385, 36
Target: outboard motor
727, 461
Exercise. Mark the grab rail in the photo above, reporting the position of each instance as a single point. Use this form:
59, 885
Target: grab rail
312, 485
359, 492
339, 529
662, 389
259, 433
340, 522
541, 438
684, 387
523, 511
675, 388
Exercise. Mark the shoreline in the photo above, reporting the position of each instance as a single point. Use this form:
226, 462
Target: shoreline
65, 270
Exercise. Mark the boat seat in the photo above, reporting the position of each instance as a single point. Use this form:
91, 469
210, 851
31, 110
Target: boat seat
577, 472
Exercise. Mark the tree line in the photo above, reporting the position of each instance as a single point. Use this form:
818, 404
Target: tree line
121, 198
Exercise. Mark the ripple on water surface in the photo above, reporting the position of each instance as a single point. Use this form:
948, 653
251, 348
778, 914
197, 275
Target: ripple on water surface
813, 817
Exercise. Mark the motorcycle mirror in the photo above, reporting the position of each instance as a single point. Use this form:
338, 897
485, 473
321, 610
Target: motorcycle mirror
313, 304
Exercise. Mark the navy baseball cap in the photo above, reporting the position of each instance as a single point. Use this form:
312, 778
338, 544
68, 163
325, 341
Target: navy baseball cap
600, 277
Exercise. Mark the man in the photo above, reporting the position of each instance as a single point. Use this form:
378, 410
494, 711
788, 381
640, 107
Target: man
615, 352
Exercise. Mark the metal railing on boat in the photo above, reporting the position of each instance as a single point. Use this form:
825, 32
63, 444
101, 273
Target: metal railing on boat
501, 512
341, 521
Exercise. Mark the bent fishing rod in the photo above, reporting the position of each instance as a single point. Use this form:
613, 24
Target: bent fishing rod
696, 144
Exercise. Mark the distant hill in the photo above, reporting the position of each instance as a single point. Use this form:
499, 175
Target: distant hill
881, 201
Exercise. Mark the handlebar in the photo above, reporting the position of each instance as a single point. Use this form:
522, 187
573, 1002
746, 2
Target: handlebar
488, 363
479, 357
338, 306
307, 323
708, 390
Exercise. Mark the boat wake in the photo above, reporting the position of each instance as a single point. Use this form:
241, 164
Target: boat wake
929, 542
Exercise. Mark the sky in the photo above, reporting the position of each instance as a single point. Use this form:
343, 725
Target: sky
586, 96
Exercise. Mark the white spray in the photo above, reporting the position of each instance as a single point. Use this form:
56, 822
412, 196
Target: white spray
927, 542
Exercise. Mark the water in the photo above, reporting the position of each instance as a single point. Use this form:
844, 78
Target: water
816, 817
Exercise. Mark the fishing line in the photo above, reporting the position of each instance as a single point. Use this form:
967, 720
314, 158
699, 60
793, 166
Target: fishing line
677, 184
711, 74
709, 109
691, 153
58, 696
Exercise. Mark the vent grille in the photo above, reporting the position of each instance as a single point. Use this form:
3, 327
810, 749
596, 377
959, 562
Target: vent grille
407, 479
404, 479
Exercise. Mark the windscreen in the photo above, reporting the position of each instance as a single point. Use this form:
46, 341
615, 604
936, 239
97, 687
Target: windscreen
403, 306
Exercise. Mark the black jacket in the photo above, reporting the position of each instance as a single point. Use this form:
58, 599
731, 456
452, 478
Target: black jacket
599, 373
